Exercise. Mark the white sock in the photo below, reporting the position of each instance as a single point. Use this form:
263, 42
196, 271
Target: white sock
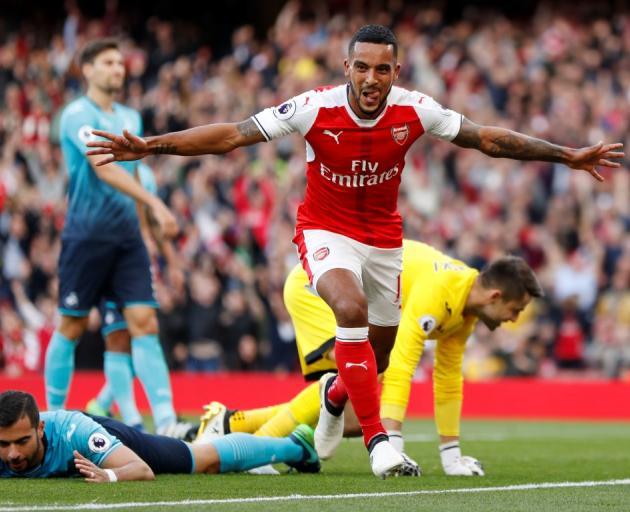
396, 439
449, 453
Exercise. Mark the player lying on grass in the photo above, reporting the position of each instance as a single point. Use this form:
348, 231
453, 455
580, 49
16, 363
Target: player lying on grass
442, 299
69, 443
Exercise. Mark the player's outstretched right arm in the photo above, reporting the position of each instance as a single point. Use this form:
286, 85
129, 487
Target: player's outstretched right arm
202, 140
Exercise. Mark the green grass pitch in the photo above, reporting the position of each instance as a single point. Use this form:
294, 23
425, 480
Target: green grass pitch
593, 457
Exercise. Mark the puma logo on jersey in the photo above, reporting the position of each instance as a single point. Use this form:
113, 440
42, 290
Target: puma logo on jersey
363, 365
333, 135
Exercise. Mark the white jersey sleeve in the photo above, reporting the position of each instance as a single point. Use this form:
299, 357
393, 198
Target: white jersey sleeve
295, 115
437, 120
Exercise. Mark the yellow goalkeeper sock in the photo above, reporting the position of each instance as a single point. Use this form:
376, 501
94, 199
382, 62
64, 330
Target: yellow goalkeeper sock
251, 420
303, 408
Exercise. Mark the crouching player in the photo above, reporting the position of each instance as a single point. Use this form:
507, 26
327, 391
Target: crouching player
442, 299
69, 443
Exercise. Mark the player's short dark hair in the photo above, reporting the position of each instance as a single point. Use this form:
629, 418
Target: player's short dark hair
94, 48
513, 276
16, 404
378, 34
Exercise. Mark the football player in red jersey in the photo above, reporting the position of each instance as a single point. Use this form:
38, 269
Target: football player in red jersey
349, 231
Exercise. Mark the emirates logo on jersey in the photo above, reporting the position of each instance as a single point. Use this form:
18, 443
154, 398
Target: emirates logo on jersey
320, 254
400, 134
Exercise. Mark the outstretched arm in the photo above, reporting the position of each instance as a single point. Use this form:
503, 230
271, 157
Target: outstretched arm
202, 140
502, 143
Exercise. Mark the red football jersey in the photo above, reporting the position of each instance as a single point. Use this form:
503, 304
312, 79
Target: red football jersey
354, 165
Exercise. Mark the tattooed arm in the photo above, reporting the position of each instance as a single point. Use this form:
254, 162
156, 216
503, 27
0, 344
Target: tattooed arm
207, 139
502, 143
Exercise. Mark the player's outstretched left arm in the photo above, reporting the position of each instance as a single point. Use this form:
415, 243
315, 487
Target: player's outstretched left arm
502, 143
123, 464
211, 139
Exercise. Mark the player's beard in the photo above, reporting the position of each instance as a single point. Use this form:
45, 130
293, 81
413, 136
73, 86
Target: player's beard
490, 323
111, 88
34, 459
31, 461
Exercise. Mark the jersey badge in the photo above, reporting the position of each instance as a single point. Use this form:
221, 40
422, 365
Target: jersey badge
321, 254
400, 134
85, 133
427, 324
99, 443
71, 300
285, 111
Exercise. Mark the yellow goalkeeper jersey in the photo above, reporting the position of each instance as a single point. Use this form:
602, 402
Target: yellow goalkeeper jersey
435, 288
434, 292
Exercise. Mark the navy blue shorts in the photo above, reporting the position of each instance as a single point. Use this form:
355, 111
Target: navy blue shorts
162, 454
112, 318
90, 270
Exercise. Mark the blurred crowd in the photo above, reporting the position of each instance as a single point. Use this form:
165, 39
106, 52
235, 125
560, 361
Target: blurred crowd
561, 77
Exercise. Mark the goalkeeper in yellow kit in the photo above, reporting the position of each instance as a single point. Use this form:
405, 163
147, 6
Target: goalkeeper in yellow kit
442, 299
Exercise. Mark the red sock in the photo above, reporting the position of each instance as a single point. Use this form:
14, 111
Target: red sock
357, 367
337, 393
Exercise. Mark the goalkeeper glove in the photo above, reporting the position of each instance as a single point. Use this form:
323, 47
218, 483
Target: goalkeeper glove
456, 464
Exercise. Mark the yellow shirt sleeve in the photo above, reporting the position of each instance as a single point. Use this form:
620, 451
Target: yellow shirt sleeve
435, 290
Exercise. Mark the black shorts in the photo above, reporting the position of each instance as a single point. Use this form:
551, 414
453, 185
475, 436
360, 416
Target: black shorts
90, 270
162, 454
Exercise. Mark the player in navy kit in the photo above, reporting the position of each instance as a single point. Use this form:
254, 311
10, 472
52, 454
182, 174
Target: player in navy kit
102, 253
